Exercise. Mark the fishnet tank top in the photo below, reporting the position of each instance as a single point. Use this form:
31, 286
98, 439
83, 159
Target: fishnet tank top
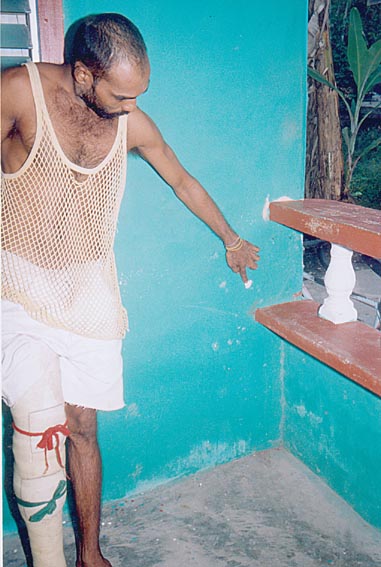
58, 232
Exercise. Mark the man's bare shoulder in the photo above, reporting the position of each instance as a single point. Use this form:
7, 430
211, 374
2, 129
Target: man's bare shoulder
14, 80
16, 99
52, 74
142, 130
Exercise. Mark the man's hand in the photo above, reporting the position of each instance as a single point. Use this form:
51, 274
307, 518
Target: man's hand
245, 257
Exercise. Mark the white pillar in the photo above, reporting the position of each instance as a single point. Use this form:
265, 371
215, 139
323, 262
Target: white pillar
339, 281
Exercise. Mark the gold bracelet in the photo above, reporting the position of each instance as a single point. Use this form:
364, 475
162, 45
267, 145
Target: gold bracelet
235, 246
234, 243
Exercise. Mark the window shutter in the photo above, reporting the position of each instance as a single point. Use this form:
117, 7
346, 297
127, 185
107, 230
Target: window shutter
15, 35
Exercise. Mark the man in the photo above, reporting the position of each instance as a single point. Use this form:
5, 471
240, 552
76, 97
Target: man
64, 142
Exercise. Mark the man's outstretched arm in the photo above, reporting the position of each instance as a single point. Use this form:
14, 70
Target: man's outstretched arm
146, 140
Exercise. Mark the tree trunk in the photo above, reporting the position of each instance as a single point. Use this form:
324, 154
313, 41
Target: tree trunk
324, 156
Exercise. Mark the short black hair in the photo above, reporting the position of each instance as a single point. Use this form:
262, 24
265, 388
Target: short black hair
100, 40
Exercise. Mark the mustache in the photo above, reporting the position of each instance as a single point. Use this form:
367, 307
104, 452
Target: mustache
100, 111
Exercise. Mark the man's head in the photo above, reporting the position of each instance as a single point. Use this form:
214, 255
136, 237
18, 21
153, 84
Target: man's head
102, 40
109, 63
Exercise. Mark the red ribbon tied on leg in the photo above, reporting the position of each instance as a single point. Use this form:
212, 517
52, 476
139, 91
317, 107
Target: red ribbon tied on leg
47, 440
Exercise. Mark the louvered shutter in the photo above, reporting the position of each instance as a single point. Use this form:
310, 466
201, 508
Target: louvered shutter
15, 34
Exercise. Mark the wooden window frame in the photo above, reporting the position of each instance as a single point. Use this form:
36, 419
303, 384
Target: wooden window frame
51, 30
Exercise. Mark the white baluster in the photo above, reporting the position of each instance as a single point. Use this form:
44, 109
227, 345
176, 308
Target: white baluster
339, 281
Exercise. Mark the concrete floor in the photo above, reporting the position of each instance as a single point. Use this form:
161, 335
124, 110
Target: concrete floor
265, 510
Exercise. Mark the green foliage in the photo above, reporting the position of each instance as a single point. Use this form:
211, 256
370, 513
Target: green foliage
339, 23
365, 65
366, 181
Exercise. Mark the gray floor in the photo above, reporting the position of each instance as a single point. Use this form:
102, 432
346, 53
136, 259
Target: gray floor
265, 510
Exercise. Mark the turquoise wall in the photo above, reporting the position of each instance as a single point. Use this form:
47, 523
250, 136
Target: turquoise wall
202, 379
334, 426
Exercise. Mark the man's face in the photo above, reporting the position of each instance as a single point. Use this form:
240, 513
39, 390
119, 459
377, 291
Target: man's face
116, 93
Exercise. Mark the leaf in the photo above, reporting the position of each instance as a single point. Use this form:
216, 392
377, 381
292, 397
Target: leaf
345, 134
318, 77
374, 52
369, 148
357, 51
373, 80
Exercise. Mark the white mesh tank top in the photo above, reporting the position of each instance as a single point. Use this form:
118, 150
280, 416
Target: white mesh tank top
58, 233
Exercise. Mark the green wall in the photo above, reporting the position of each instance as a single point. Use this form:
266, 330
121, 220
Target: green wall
202, 379
334, 426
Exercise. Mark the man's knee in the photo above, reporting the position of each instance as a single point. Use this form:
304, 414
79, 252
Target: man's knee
39, 422
82, 423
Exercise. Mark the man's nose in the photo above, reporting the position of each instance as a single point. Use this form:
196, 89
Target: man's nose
129, 105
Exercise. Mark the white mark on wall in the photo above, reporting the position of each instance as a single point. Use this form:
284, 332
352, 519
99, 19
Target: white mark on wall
231, 342
209, 454
266, 209
266, 206
137, 472
302, 412
132, 410
223, 285
290, 131
215, 346
123, 279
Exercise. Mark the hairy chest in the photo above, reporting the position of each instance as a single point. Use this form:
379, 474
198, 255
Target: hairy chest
84, 138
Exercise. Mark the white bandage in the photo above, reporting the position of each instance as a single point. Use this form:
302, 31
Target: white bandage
39, 476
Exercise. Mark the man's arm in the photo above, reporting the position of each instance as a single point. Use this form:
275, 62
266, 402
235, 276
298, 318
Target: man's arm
7, 104
17, 118
146, 140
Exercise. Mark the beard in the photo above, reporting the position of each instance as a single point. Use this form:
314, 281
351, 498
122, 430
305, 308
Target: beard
91, 100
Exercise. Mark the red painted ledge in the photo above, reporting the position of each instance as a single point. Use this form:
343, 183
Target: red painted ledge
353, 349
352, 226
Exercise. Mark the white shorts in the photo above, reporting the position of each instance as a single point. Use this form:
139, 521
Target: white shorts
91, 370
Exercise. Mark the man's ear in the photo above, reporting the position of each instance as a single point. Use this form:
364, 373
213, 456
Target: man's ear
82, 75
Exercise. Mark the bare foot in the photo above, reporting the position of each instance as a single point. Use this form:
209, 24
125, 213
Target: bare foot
98, 561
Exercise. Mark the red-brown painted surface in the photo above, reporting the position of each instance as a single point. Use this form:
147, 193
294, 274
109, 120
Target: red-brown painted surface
352, 226
51, 30
354, 349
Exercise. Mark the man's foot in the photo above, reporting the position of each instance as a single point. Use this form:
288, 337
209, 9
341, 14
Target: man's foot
86, 475
98, 561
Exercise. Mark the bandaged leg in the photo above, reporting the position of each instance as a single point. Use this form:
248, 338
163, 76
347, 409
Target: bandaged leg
39, 452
